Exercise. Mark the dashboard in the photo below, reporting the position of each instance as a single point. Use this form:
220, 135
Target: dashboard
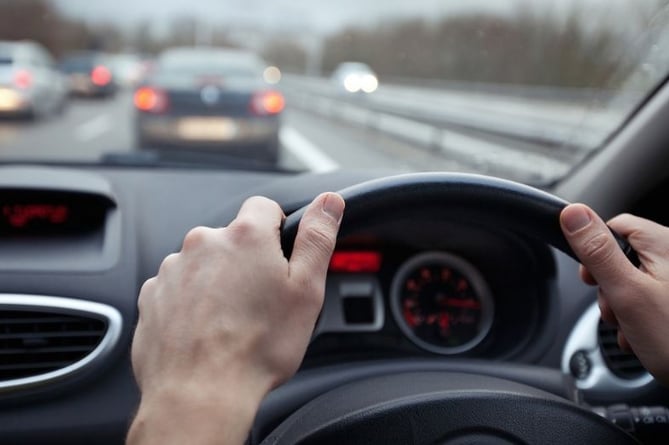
434, 288
77, 244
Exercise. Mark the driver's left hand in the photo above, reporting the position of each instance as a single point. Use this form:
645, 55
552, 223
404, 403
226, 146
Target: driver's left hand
227, 319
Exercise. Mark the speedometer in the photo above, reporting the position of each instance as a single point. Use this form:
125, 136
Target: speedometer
442, 303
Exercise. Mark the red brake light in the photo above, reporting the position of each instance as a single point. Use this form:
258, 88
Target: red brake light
151, 100
268, 102
23, 79
101, 76
355, 262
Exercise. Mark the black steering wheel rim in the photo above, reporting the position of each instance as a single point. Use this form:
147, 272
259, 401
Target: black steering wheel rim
477, 199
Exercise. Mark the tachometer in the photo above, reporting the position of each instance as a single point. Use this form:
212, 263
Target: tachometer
442, 303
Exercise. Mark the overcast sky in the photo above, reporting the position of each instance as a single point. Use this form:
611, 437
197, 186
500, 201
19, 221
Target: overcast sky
316, 15
327, 15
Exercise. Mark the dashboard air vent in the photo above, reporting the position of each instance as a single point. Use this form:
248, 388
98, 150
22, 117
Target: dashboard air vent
621, 363
33, 343
47, 338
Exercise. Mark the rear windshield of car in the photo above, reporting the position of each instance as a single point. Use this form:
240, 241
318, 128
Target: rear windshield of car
77, 64
214, 64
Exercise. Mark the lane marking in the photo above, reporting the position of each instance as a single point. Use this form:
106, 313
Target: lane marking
93, 128
305, 151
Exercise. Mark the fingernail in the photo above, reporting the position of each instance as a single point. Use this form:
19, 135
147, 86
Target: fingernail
574, 218
333, 205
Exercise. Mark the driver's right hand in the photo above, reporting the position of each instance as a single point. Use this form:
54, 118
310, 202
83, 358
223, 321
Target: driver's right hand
636, 300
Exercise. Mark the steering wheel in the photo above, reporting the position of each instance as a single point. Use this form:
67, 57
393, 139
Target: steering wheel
442, 405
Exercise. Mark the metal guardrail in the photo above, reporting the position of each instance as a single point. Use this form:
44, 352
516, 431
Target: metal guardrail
552, 123
538, 140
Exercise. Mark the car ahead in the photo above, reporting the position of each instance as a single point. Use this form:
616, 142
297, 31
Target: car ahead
30, 86
209, 99
89, 74
355, 77
127, 69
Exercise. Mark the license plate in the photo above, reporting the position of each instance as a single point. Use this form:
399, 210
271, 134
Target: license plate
207, 129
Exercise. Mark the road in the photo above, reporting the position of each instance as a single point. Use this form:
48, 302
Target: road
312, 141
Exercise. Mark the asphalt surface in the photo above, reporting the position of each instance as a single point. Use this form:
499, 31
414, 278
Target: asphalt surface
88, 129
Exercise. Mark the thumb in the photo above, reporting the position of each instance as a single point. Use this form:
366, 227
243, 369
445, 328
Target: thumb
595, 246
316, 237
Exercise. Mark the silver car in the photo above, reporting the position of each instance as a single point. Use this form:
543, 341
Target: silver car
30, 84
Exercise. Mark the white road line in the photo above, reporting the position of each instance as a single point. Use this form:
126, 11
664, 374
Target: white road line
306, 152
93, 128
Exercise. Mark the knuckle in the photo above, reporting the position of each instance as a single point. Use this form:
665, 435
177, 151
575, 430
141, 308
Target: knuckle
145, 293
242, 229
263, 201
168, 263
195, 237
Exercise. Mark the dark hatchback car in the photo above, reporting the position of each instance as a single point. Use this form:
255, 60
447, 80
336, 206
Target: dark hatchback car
89, 74
209, 99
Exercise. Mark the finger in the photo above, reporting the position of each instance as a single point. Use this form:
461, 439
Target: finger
259, 214
317, 236
645, 236
586, 277
595, 246
607, 313
623, 343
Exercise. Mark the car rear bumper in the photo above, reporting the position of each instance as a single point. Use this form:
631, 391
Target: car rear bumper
206, 131
82, 86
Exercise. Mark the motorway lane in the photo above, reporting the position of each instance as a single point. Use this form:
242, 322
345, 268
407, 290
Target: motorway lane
90, 128
86, 129
358, 148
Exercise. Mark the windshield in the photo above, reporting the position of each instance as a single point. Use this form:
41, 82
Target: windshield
523, 89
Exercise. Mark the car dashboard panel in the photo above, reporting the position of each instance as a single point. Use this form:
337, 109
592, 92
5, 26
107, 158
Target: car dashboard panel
439, 289
412, 288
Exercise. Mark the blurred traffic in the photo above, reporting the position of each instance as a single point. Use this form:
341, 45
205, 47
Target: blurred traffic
210, 98
355, 77
89, 74
513, 93
30, 84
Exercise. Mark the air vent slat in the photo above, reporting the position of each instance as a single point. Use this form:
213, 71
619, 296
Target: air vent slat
47, 335
33, 320
33, 342
28, 366
621, 363
48, 350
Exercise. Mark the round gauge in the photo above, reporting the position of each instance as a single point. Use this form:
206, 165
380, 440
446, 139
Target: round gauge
441, 303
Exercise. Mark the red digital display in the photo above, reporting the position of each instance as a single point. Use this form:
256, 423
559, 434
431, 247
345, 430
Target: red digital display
21, 215
50, 213
355, 262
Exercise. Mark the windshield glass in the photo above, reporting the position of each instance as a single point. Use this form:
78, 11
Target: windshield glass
523, 89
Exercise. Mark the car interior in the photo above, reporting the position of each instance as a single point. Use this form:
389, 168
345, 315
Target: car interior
115, 245
527, 358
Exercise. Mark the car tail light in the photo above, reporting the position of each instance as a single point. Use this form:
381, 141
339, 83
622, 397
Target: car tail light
268, 103
150, 100
23, 79
101, 76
